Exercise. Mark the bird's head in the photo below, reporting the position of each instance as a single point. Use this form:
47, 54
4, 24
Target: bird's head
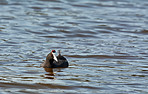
54, 56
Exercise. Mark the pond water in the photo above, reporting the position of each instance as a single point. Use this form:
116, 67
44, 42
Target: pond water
105, 42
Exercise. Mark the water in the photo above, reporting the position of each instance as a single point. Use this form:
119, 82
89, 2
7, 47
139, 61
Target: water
105, 42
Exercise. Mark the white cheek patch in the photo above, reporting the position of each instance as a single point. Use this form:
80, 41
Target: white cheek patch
54, 57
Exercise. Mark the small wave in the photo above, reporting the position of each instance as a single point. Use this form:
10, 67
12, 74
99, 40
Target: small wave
104, 56
144, 31
81, 35
52, 36
51, 0
3, 2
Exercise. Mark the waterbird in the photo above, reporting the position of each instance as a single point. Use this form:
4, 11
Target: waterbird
53, 61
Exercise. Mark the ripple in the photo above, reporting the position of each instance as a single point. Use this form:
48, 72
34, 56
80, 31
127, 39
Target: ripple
5, 17
104, 57
51, 0
144, 31
52, 36
104, 41
3, 2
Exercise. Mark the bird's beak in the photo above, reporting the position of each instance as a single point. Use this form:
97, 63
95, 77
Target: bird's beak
54, 57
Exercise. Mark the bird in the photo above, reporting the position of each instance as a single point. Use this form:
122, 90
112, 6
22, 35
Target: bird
53, 61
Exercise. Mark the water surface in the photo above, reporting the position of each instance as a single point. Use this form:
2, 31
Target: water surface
105, 42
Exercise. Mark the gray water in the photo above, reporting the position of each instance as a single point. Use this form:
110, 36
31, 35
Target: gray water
105, 42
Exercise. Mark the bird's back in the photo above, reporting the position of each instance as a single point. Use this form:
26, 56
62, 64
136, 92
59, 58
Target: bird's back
62, 62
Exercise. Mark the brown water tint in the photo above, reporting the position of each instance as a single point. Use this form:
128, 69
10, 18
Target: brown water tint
105, 42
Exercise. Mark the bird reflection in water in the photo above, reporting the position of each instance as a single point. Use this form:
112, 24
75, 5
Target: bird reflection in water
50, 72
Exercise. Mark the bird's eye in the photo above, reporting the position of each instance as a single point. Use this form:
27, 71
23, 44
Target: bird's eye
53, 51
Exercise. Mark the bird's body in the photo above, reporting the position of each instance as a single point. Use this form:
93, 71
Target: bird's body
55, 62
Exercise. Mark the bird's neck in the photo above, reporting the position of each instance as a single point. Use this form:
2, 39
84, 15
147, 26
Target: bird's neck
49, 56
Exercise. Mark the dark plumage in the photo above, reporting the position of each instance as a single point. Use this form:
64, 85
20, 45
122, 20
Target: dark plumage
55, 62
